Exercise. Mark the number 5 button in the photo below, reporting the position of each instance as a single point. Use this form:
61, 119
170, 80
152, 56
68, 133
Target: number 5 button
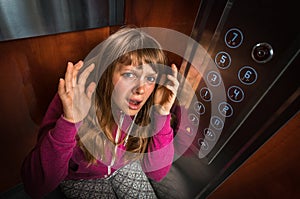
223, 60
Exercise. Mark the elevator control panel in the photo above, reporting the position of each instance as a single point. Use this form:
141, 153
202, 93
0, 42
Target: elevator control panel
250, 51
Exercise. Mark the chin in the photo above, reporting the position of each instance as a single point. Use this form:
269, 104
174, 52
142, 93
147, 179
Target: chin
132, 112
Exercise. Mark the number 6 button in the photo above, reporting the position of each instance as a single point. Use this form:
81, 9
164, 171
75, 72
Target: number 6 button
247, 75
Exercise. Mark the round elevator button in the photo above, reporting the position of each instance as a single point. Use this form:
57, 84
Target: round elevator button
247, 75
233, 38
262, 52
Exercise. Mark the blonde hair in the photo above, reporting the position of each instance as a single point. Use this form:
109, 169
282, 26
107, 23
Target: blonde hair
125, 47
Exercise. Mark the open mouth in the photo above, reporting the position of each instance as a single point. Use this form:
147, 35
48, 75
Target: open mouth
134, 104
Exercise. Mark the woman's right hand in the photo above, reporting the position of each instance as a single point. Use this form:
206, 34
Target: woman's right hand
75, 97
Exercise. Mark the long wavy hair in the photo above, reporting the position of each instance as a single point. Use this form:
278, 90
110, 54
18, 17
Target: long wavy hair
128, 46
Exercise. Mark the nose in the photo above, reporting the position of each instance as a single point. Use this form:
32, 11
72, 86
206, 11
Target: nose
139, 88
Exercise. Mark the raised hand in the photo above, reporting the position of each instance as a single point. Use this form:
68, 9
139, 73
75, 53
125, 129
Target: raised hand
75, 97
166, 92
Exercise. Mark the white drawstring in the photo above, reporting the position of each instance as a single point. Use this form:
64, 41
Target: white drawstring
129, 130
117, 140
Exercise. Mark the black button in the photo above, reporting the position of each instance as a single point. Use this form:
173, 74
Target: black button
216, 122
247, 75
209, 134
206, 94
214, 78
262, 52
225, 109
223, 60
193, 119
199, 108
203, 144
233, 38
235, 94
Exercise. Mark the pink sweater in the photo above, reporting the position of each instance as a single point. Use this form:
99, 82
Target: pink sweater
56, 156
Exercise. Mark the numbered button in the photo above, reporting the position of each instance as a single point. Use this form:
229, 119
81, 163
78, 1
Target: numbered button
216, 122
206, 94
223, 60
214, 78
199, 108
247, 75
225, 109
209, 134
235, 94
233, 38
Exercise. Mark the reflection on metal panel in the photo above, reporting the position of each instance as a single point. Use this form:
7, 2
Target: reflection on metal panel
29, 18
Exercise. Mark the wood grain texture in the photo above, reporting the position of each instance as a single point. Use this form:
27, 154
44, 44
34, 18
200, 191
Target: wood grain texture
172, 14
30, 70
271, 172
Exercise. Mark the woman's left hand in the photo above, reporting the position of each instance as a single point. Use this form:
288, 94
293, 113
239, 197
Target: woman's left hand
166, 93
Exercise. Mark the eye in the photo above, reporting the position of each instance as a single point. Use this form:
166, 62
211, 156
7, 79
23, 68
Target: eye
129, 75
151, 79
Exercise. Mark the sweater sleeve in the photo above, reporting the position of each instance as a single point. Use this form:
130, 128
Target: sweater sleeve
47, 164
157, 161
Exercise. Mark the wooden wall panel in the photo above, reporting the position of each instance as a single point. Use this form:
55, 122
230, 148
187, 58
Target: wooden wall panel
272, 172
172, 14
30, 70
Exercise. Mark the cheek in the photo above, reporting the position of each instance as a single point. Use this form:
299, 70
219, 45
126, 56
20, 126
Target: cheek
117, 91
149, 89
122, 87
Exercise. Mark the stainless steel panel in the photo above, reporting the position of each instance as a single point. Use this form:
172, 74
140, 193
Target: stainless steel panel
29, 18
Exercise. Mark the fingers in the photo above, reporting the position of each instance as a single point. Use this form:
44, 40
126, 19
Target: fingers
173, 82
71, 75
90, 89
77, 67
83, 77
61, 87
67, 84
175, 70
68, 77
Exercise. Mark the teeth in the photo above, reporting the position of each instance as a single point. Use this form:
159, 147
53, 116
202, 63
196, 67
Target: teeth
134, 102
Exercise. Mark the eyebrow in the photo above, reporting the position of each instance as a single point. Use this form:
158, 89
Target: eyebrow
137, 68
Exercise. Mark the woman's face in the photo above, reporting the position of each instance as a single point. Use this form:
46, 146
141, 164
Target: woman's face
132, 86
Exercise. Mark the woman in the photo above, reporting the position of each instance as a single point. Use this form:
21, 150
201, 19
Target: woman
110, 120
